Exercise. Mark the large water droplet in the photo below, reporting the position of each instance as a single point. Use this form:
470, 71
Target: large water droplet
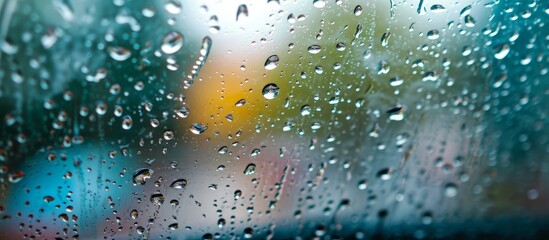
314, 49
501, 51
270, 91
172, 42
141, 175
319, 3
183, 112
385, 39
119, 53
272, 62
242, 12
168, 135
179, 184
172, 7
198, 128
450, 190
250, 169
157, 199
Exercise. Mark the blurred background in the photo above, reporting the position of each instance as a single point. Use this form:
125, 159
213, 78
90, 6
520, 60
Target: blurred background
274, 119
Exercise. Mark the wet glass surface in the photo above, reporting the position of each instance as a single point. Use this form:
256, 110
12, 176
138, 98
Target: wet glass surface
128, 119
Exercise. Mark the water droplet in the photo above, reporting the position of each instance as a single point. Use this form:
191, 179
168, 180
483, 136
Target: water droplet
396, 81
250, 169
396, 113
141, 175
173, 226
157, 199
305, 110
501, 51
172, 7
450, 190
433, 34
237, 194
289, 125
140, 230
314, 49
48, 199
64, 217
172, 42
134, 214
272, 62
240, 103
179, 184
223, 150
183, 112
248, 233
198, 128
358, 10
319, 3
119, 53
384, 174
465, 11
362, 184
65, 9
127, 123
221, 222
340, 46
168, 135
437, 8
469, 21
242, 12
385, 39
255, 152
270, 91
